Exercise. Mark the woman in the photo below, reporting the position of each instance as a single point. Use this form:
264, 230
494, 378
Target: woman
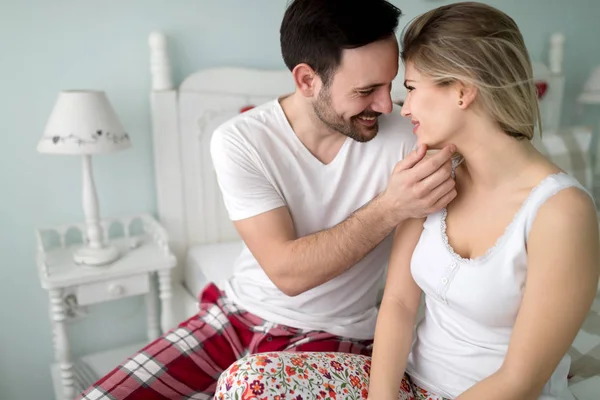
510, 268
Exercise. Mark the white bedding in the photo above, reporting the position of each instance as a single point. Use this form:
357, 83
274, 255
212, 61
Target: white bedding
209, 263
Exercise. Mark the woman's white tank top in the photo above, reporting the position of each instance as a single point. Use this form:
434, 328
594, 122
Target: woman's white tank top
472, 304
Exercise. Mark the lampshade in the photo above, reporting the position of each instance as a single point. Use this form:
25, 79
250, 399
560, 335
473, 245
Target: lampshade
591, 89
83, 122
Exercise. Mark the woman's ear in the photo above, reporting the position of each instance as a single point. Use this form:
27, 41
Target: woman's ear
306, 79
466, 95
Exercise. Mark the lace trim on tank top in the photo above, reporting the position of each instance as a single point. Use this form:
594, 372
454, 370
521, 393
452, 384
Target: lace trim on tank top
502, 239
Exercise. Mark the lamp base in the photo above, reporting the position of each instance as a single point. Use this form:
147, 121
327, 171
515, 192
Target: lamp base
95, 257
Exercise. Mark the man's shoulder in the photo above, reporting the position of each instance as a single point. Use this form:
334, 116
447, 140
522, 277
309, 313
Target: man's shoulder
249, 123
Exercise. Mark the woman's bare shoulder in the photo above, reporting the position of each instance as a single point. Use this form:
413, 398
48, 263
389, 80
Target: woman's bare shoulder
571, 209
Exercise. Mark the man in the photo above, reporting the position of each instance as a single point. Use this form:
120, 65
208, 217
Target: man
315, 182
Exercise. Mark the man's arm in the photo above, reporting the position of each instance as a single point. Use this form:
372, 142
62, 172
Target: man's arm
295, 265
562, 279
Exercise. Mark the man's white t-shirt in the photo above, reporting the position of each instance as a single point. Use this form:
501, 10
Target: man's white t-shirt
261, 165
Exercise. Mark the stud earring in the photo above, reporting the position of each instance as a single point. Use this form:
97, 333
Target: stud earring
460, 103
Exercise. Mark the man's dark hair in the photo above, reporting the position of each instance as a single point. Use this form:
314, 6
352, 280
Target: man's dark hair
316, 32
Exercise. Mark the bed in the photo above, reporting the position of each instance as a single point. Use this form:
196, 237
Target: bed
189, 202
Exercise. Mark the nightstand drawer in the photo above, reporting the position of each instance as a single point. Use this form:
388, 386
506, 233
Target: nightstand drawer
112, 289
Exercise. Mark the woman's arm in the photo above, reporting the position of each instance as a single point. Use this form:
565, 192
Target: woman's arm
397, 314
562, 279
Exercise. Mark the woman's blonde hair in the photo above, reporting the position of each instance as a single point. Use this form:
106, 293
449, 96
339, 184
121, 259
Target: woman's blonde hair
478, 45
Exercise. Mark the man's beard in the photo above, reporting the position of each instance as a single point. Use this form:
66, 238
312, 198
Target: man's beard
353, 128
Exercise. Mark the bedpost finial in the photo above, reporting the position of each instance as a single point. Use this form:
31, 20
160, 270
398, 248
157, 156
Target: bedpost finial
557, 38
160, 67
157, 40
556, 56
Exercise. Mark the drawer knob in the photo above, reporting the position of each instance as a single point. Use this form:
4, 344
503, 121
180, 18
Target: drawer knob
116, 290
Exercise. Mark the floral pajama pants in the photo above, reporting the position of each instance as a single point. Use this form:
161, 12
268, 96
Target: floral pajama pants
305, 376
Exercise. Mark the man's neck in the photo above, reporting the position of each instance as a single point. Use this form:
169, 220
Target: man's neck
322, 142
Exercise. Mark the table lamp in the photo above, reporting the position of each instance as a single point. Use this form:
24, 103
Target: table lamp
84, 123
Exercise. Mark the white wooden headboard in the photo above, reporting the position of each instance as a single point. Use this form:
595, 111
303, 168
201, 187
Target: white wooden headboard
184, 117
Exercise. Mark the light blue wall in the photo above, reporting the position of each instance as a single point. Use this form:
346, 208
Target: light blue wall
47, 46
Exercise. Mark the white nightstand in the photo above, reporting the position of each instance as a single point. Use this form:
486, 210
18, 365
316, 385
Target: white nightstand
142, 243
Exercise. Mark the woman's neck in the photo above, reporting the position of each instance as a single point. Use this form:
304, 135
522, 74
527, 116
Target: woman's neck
491, 157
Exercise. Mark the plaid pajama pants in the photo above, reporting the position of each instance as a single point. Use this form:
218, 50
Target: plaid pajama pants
186, 362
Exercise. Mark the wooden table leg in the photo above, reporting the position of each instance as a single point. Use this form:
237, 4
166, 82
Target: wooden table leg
62, 352
166, 295
152, 310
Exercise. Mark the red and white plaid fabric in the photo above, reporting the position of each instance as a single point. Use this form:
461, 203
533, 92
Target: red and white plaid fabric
186, 362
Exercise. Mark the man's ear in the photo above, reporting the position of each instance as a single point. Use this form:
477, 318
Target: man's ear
306, 79
466, 95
